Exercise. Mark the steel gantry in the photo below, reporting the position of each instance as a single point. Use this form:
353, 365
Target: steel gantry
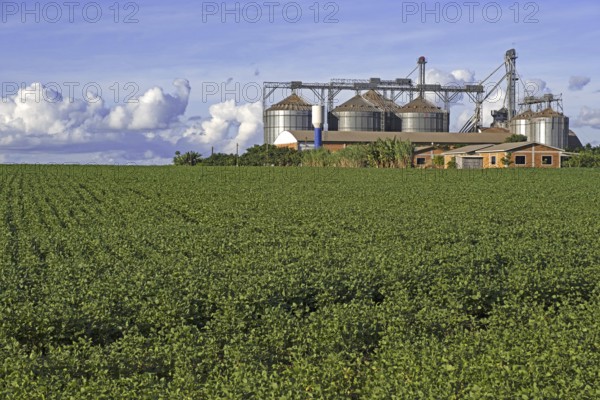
326, 93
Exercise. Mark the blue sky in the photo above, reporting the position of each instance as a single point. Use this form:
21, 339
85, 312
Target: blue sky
144, 48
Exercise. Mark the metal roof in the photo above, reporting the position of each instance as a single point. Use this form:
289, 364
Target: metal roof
573, 140
524, 115
513, 146
415, 137
357, 103
419, 149
420, 105
292, 102
380, 101
548, 112
495, 129
467, 149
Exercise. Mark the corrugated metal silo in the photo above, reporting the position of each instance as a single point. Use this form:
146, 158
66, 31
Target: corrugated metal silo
332, 121
391, 121
550, 127
292, 113
421, 115
357, 114
521, 125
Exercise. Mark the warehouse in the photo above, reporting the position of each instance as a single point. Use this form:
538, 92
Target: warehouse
336, 140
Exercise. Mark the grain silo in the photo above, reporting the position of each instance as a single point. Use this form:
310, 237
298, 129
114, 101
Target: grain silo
292, 113
390, 121
420, 115
550, 127
357, 114
521, 125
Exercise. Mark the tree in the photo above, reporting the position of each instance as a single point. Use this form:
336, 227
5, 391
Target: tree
514, 138
452, 163
266, 154
438, 161
219, 160
190, 158
507, 159
584, 159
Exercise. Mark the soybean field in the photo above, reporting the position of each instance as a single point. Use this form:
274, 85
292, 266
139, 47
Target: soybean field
298, 283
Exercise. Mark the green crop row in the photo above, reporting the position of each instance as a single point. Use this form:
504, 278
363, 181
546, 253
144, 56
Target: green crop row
268, 283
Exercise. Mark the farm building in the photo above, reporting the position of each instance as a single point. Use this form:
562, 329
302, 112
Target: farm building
512, 155
424, 156
336, 140
470, 150
522, 154
466, 157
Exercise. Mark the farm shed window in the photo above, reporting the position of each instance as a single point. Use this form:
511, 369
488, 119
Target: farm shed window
546, 160
421, 161
520, 160
493, 161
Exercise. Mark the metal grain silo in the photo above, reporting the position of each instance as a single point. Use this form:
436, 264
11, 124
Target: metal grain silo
551, 128
421, 115
390, 121
290, 114
332, 121
521, 125
357, 114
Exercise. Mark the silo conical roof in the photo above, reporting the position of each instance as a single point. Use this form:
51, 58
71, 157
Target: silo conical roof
420, 105
524, 115
548, 112
292, 102
380, 101
357, 103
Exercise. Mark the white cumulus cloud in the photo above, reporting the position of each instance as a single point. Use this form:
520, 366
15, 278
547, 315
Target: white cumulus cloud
536, 87
38, 124
229, 125
155, 109
588, 117
462, 107
457, 77
39, 111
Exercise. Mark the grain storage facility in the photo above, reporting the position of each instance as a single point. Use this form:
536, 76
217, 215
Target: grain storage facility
546, 125
421, 115
293, 113
357, 114
550, 127
521, 124
390, 121
376, 108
